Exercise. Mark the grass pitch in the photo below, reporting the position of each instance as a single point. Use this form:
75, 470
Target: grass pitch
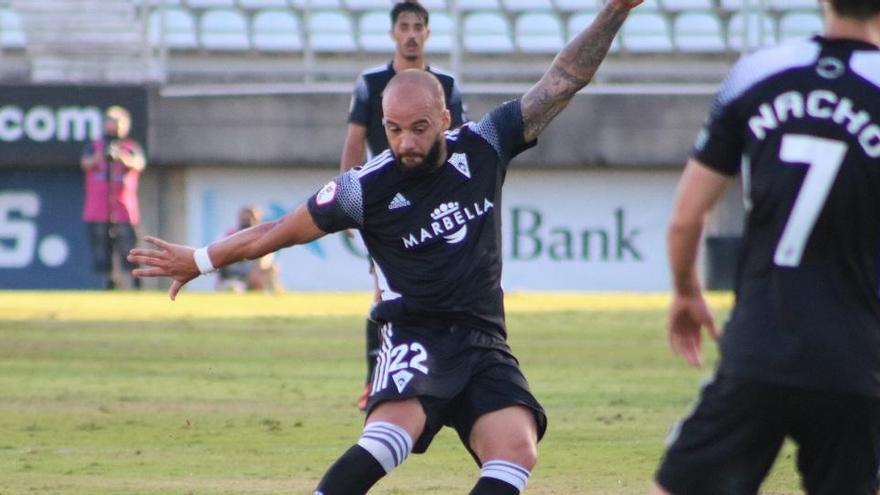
127, 393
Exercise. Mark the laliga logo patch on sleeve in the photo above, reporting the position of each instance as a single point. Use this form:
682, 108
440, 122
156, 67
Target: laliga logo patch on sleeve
327, 194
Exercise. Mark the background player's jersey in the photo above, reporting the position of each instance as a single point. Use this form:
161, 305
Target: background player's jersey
805, 120
366, 103
435, 237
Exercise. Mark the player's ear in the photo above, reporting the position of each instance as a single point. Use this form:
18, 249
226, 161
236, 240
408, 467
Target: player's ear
447, 119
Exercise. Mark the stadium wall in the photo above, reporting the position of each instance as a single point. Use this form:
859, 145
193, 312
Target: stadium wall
630, 128
585, 210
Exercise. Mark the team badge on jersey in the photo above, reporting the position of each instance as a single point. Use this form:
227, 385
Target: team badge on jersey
460, 162
327, 193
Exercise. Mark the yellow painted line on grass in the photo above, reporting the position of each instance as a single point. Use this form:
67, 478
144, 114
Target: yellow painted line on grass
141, 306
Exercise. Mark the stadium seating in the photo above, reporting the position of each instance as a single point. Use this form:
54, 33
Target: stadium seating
210, 4
224, 30
577, 5
175, 28
263, 4
799, 25
373, 31
442, 33
538, 32
526, 5
317, 4
646, 32
787, 5
359, 5
698, 32
487, 32
11, 30
277, 31
479, 30
331, 31
469, 5
750, 30
682, 5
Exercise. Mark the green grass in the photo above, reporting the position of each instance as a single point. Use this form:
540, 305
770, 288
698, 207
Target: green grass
217, 393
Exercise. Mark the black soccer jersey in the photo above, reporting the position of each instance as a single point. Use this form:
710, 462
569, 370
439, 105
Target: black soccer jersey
801, 124
436, 238
366, 103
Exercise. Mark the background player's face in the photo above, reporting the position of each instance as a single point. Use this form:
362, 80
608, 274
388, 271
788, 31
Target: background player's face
409, 34
414, 124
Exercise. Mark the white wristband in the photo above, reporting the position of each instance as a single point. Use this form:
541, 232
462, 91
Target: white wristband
203, 261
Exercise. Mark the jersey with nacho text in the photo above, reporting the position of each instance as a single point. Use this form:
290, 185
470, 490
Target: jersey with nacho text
435, 238
801, 124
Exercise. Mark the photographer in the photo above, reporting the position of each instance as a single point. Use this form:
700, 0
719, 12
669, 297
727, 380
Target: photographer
112, 166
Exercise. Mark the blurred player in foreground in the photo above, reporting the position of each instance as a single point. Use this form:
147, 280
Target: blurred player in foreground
427, 211
800, 355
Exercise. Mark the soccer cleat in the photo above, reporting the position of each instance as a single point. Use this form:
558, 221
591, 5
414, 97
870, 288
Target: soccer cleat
362, 400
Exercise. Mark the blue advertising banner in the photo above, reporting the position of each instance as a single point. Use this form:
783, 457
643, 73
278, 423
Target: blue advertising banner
43, 241
49, 125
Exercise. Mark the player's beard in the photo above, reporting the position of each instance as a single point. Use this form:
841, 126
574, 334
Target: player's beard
430, 161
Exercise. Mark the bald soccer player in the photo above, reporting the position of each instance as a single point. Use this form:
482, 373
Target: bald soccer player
428, 210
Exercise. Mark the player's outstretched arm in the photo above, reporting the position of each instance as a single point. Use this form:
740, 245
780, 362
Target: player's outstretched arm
176, 261
573, 68
699, 190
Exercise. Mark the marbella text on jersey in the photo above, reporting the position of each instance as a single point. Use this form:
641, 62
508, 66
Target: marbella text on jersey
448, 220
819, 104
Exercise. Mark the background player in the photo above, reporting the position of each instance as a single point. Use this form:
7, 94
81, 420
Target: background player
410, 32
445, 359
800, 356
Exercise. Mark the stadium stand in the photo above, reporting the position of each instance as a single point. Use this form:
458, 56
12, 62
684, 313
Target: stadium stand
698, 32
11, 30
799, 25
333, 39
277, 31
538, 32
224, 30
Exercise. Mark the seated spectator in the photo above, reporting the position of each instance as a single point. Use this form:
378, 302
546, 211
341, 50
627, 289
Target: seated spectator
259, 274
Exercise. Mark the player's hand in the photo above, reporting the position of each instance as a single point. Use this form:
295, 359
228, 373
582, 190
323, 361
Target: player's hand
688, 314
168, 260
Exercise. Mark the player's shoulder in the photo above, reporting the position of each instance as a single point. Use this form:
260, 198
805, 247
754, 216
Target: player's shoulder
866, 63
759, 66
376, 73
441, 74
373, 167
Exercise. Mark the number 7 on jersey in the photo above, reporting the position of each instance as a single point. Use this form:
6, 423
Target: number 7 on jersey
824, 158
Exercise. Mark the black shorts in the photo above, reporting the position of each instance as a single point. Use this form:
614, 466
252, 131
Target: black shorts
118, 241
729, 442
458, 374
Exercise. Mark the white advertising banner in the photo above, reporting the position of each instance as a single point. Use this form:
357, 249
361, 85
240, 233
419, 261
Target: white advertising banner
562, 230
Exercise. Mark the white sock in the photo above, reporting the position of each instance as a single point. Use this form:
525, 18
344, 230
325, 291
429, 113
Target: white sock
507, 472
387, 442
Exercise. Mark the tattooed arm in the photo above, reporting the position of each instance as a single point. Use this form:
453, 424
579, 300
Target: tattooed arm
573, 68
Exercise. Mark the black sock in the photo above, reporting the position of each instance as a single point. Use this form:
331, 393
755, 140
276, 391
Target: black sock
491, 486
373, 345
352, 474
